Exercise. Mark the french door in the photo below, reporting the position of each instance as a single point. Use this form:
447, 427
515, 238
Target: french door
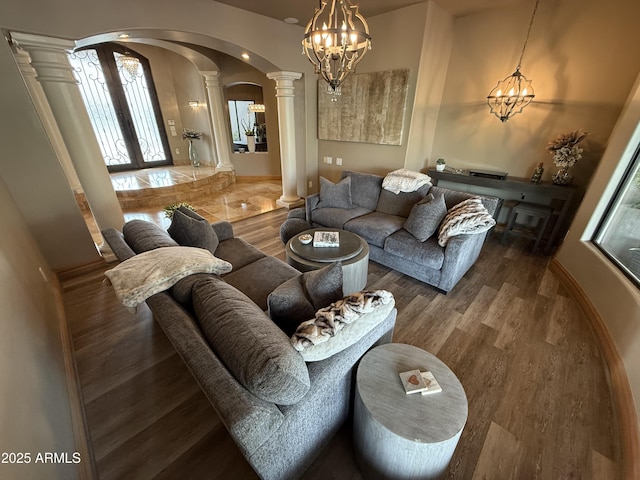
123, 107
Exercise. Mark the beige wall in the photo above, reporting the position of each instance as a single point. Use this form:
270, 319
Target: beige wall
582, 58
34, 404
396, 44
619, 303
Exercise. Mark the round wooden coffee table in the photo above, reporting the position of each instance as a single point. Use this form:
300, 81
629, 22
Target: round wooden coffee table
353, 252
405, 436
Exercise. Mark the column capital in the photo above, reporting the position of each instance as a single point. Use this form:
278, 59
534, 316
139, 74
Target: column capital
284, 76
211, 79
48, 56
284, 82
29, 40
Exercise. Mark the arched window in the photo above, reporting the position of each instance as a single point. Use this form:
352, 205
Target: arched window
123, 107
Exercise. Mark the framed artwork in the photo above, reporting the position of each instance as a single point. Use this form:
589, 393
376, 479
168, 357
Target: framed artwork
370, 109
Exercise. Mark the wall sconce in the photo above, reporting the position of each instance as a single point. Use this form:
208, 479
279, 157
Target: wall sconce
256, 107
193, 104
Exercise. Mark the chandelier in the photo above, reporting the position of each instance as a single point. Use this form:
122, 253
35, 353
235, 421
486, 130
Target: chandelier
335, 41
515, 92
130, 63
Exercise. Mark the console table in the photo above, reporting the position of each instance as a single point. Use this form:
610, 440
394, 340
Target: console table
565, 199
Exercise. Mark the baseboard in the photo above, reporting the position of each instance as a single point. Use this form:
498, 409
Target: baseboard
79, 270
256, 179
623, 398
86, 468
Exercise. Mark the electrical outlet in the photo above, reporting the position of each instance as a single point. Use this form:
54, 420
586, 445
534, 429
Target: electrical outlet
338, 161
310, 184
177, 151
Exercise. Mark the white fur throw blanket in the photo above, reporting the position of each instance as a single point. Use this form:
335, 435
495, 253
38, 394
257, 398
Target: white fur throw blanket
330, 320
468, 216
154, 271
404, 180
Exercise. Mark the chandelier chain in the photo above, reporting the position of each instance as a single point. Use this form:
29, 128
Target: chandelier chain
526, 39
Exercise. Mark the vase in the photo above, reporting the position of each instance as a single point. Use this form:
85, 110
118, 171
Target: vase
562, 176
251, 143
193, 155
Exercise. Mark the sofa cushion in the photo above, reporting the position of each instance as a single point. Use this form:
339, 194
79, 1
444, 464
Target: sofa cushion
336, 217
467, 217
258, 279
191, 230
238, 252
154, 271
254, 350
365, 189
297, 299
405, 245
426, 216
143, 236
375, 227
341, 324
337, 195
400, 203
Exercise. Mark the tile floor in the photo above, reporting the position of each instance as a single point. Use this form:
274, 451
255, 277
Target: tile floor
241, 200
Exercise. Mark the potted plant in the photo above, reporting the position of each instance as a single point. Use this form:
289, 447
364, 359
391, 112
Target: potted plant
169, 209
440, 164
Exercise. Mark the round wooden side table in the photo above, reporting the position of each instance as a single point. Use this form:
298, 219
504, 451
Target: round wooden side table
400, 436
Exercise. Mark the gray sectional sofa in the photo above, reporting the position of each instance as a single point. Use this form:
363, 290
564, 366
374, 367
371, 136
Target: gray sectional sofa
281, 415
380, 217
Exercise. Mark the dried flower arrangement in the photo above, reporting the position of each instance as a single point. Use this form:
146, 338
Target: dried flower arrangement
565, 149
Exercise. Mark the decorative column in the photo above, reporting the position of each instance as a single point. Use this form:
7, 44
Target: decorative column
48, 121
287, 135
218, 120
53, 71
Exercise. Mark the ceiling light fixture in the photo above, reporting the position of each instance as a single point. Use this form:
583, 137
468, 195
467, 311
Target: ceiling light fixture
130, 63
335, 40
515, 92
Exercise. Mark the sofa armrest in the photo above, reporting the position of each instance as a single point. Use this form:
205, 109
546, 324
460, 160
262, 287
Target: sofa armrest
299, 212
460, 254
250, 420
115, 240
311, 204
223, 229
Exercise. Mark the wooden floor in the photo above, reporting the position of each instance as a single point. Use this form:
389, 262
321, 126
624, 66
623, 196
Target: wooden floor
540, 404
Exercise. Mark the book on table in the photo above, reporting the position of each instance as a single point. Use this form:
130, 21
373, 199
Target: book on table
326, 239
415, 381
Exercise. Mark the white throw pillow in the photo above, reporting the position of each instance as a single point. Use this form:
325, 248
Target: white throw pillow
154, 271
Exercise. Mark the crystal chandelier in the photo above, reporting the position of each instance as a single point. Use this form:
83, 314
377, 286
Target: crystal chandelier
335, 40
130, 63
515, 92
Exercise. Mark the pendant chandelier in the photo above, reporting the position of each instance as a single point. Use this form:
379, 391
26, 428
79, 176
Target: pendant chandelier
515, 92
130, 63
335, 41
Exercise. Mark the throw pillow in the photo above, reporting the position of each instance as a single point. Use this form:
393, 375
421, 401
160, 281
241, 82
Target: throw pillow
426, 216
335, 195
251, 347
148, 273
342, 324
191, 230
467, 217
298, 299
142, 236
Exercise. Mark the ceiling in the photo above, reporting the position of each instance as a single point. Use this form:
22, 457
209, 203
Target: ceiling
303, 9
